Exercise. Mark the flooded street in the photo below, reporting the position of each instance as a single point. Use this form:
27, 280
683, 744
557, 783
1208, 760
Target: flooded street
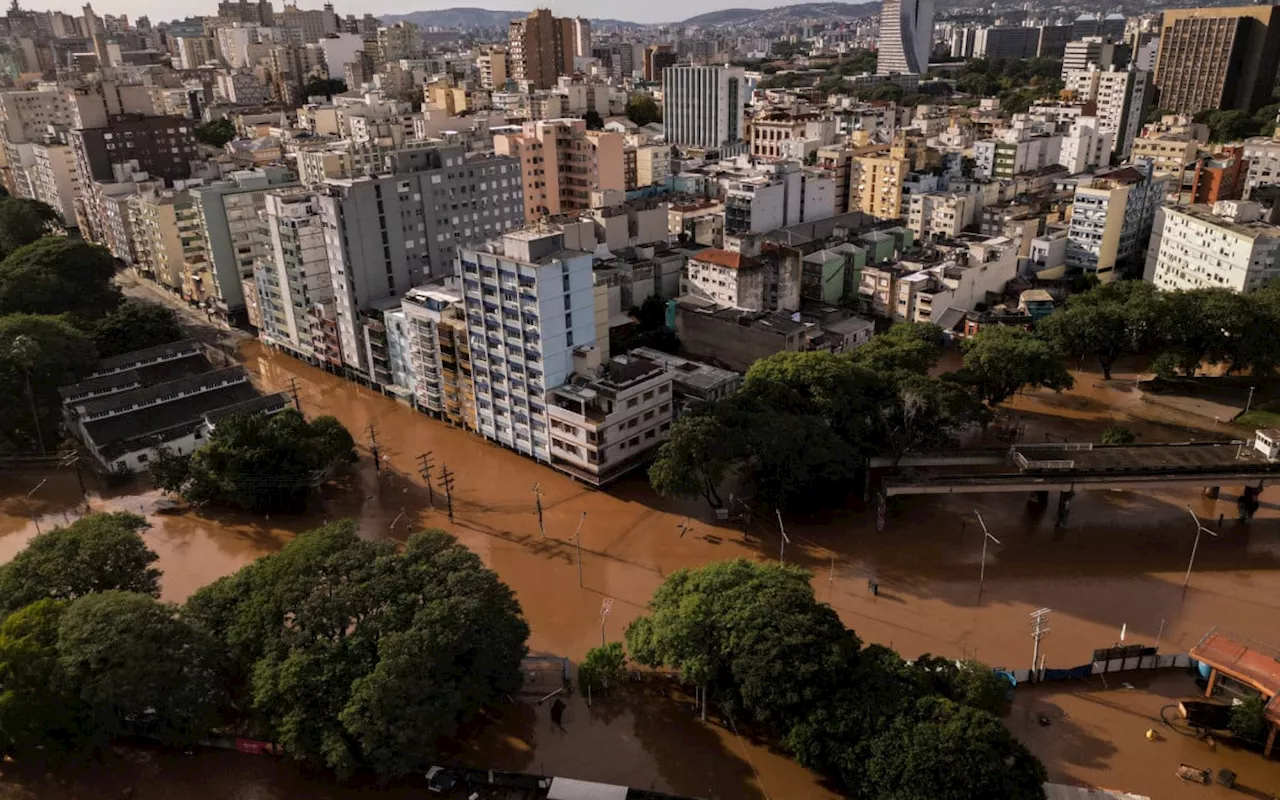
1120, 561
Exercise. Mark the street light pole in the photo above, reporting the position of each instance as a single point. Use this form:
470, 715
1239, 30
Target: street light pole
782, 545
577, 535
1194, 546
34, 520
1249, 403
982, 573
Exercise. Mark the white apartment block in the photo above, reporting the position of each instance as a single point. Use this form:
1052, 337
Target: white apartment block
940, 214
702, 106
55, 180
1086, 146
1225, 246
1120, 95
610, 418
1263, 154
530, 303
1111, 218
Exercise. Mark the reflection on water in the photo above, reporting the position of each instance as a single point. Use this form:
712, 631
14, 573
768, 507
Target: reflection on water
1119, 562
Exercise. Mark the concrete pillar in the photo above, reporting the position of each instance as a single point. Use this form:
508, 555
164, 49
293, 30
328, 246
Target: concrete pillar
1064, 506
1211, 492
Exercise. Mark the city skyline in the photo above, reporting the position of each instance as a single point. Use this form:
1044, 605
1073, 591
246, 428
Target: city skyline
649, 13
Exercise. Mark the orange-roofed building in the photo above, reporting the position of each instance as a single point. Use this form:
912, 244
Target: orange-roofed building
1239, 668
727, 278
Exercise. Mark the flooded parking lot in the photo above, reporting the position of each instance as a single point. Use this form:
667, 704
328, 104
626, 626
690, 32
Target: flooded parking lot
1119, 561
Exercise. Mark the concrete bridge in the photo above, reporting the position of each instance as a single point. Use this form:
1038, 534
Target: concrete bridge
1068, 468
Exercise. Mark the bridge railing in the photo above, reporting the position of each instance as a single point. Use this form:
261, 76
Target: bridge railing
1025, 464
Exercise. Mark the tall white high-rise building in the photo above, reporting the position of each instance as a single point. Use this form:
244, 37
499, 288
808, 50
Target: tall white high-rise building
530, 303
702, 106
906, 36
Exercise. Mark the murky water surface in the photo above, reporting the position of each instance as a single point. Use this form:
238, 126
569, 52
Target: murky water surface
1120, 561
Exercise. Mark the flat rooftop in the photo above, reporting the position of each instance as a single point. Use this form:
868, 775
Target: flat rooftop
1252, 662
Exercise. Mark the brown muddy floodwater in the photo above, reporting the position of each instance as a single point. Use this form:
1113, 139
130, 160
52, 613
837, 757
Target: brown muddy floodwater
1120, 561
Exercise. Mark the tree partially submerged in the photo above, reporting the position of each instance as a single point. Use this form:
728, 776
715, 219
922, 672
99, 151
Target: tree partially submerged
259, 462
97, 553
351, 654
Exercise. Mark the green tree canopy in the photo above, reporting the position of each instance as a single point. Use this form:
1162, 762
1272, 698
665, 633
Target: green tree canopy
138, 668
913, 347
327, 87
1100, 331
57, 275
999, 360
24, 221
48, 352
217, 132
40, 715
352, 654
96, 553
603, 670
134, 325
260, 462
695, 458
643, 109
946, 751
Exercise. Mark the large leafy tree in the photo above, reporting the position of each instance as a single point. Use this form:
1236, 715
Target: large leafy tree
1000, 360
752, 633
695, 458
946, 751
56, 275
138, 668
37, 355
134, 325
643, 109
261, 462
23, 221
97, 553
926, 412
41, 716
353, 655
912, 347
1099, 331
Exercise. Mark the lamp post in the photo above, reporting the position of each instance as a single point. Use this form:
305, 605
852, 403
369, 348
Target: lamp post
34, 520
577, 536
1194, 547
982, 572
782, 545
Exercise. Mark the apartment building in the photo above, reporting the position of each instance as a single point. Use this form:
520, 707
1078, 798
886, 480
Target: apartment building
1018, 153
1111, 218
880, 181
1169, 153
941, 214
529, 303
386, 233
1119, 95
938, 285
1224, 246
493, 68
293, 274
167, 240
1217, 58
775, 196
439, 354
229, 222
702, 106
1263, 155
54, 179
541, 48
562, 163
163, 147
1086, 146
1219, 176
726, 278
653, 164
609, 419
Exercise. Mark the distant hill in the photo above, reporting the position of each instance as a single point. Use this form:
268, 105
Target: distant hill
785, 14
486, 18
475, 18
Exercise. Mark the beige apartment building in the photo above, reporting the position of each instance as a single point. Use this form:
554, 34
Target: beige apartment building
493, 67
54, 180
167, 237
1217, 58
880, 178
562, 163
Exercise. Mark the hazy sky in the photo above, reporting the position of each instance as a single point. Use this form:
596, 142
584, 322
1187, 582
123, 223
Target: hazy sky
647, 11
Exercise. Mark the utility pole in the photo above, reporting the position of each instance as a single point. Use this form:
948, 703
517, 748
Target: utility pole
1194, 547
782, 546
1249, 402
30, 508
982, 573
684, 527
72, 459
577, 535
293, 390
446, 480
1039, 629
373, 446
537, 499
606, 606
424, 469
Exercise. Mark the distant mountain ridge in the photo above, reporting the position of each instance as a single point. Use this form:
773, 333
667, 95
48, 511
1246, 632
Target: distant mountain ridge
476, 18
467, 17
